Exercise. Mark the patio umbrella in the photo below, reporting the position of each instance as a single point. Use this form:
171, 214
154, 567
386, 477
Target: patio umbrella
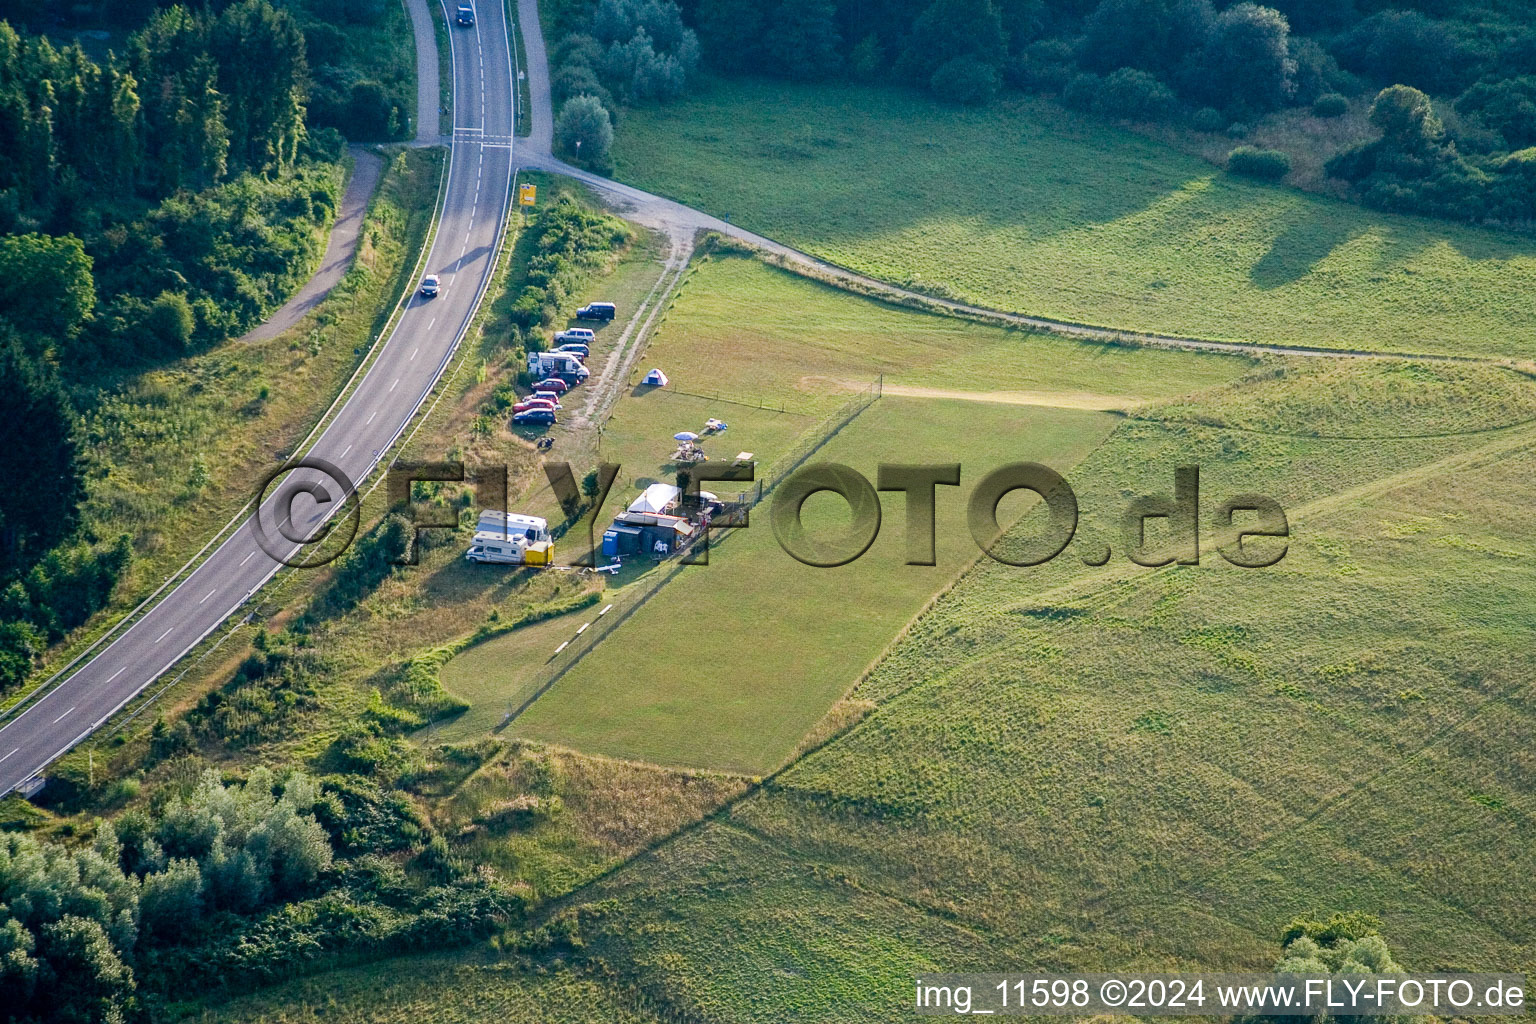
686, 435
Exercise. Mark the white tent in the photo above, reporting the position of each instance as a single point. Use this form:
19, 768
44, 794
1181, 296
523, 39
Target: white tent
656, 499
655, 379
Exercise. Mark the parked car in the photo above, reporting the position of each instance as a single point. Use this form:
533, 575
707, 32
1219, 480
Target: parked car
597, 311
554, 384
585, 335
548, 396
533, 403
534, 418
429, 286
466, 14
576, 349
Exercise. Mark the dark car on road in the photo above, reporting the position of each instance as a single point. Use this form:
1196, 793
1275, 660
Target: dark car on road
466, 14
597, 311
534, 418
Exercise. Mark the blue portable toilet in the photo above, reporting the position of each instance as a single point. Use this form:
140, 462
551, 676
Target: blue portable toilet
610, 544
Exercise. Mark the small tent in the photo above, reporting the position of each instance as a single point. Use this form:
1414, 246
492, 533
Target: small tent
655, 379
656, 499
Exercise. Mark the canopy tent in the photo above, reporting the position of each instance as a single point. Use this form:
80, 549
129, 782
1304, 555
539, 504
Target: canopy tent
655, 379
656, 498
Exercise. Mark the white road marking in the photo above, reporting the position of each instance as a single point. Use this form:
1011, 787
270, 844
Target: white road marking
210, 593
413, 356
162, 636
61, 718
8, 755
395, 384
371, 416
119, 672
429, 326
345, 450
247, 558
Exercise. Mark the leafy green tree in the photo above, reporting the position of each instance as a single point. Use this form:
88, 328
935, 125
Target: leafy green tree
20, 646
732, 33
18, 967
262, 71
1406, 47
584, 132
46, 289
169, 324
963, 80
1151, 35
1246, 62
38, 446
84, 981
169, 900
802, 39
367, 115
1508, 107
1406, 119
1134, 94
947, 30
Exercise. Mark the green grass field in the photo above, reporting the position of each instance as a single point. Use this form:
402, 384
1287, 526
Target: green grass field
1074, 768
730, 664
775, 355
1023, 207
457, 989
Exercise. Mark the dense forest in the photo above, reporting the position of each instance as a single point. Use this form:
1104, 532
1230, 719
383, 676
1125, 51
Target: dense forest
156, 198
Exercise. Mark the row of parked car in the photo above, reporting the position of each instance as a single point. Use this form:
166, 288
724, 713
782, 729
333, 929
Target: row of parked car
563, 366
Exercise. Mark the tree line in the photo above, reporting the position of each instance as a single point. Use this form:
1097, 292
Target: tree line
222, 885
151, 203
1215, 67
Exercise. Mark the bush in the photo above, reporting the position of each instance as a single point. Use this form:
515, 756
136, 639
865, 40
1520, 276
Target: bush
1133, 94
1045, 65
584, 132
1507, 107
1082, 92
1265, 164
1408, 48
964, 80
1330, 104
169, 324
1208, 119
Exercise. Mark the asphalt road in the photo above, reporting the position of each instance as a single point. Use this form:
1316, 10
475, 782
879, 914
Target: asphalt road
378, 411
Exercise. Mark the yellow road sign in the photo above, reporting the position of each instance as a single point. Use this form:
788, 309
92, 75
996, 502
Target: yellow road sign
526, 194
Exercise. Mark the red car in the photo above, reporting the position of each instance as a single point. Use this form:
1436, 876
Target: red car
533, 403
554, 384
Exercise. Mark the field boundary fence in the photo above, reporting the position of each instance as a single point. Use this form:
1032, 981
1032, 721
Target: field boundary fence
779, 470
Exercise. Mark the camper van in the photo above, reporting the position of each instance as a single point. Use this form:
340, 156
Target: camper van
495, 549
491, 548
511, 525
565, 365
